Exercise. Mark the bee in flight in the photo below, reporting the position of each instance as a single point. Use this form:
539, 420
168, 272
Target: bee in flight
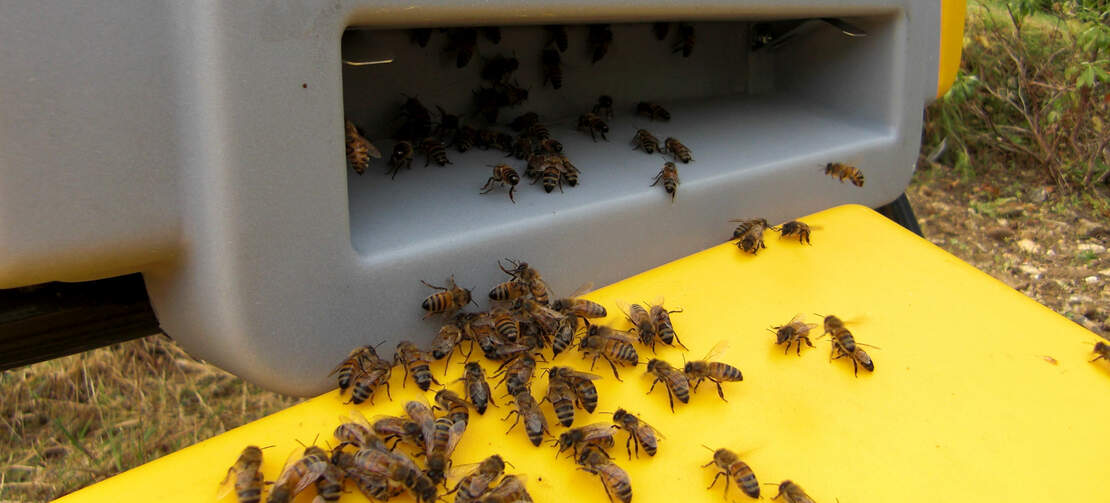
843, 172
594, 125
795, 228
451, 298
676, 382
359, 149
503, 175
732, 468
794, 332
669, 176
604, 106
645, 141
640, 433
245, 477
400, 158
792, 493
652, 111
678, 151
716, 372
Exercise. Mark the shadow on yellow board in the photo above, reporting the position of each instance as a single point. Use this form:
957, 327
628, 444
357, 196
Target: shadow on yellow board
964, 403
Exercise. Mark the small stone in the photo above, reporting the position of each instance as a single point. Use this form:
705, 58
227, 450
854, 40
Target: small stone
1040, 195
1003, 222
1033, 271
1050, 253
1089, 229
1090, 280
1078, 299
1029, 246
1096, 248
1105, 272
1000, 233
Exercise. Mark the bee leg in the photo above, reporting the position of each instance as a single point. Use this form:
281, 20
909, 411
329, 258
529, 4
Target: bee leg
511, 189
488, 186
514, 422
614, 367
715, 477
720, 392
808, 342
429, 285
592, 363
386, 384
855, 367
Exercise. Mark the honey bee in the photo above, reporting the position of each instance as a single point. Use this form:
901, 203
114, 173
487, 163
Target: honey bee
504, 142
499, 69
677, 384
505, 351
551, 64
1102, 351
551, 146
492, 33
615, 480
732, 468
359, 149
604, 106
477, 389
448, 338
330, 484
561, 396
372, 485
652, 111
640, 434
352, 364
749, 234
582, 308
479, 328
414, 112
299, 473
641, 323
511, 489
551, 176
538, 131
463, 42
522, 147
400, 158
567, 170
434, 151
669, 176
660, 30
509, 290
487, 139
457, 409
397, 429
422, 415
661, 323
612, 345
795, 331
451, 298
845, 171
598, 41
524, 121
564, 334
448, 125
678, 151
535, 424
858, 356
558, 35
502, 175
582, 384
510, 95
245, 477
476, 484
487, 103
415, 362
795, 228
645, 141
354, 430
530, 277
599, 434
507, 326
685, 40
420, 36
397, 468
842, 338
716, 372
372, 372
594, 125
465, 139
445, 437
517, 374
792, 493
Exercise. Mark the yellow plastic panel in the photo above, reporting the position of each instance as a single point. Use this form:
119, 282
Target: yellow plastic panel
952, 16
979, 394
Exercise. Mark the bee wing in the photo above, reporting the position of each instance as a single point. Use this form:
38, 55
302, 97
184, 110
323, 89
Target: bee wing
455, 434
228, 483
355, 417
657, 301
796, 319
315, 470
290, 460
625, 307
621, 335
717, 349
583, 290
582, 375
372, 150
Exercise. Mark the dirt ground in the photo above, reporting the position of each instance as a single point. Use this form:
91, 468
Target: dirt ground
1048, 245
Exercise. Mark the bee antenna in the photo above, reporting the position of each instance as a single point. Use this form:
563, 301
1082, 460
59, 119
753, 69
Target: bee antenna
508, 463
709, 448
267, 447
819, 315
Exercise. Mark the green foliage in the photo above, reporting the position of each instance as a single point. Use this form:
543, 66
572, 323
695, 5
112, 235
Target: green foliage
1032, 92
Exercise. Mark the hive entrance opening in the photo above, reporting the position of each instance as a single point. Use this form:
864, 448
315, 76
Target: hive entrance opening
735, 107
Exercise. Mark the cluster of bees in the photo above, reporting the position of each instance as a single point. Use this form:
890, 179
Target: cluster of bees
749, 232
415, 131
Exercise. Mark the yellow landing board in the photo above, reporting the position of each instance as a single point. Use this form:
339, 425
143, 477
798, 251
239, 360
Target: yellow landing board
979, 394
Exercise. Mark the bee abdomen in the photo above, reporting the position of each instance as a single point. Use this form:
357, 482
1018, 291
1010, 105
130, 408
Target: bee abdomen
437, 302
422, 374
626, 352
250, 495
745, 478
587, 395
564, 410
724, 372
681, 392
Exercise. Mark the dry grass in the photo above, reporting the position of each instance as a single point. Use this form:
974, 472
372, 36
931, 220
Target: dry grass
68, 423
